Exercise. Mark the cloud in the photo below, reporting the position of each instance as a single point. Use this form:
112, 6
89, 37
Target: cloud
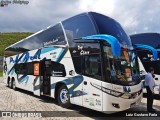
38, 14
138, 16
134, 15
102, 6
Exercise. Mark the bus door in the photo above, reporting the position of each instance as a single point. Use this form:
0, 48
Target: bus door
45, 78
87, 62
92, 79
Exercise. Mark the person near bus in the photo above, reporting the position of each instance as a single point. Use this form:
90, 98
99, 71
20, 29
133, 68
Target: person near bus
149, 83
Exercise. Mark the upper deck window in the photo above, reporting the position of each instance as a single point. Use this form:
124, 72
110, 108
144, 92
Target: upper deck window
79, 26
51, 36
109, 26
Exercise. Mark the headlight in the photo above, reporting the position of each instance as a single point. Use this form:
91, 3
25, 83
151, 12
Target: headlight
126, 95
131, 95
111, 92
115, 93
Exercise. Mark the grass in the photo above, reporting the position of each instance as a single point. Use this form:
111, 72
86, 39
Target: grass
7, 39
1, 74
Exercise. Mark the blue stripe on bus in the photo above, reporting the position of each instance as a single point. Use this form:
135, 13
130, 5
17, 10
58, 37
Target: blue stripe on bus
61, 55
76, 81
18, 59
23, 78
45, 50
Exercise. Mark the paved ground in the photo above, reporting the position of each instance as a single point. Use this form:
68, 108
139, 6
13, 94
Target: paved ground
20, 100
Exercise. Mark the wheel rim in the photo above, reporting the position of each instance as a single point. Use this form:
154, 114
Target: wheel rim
64, 96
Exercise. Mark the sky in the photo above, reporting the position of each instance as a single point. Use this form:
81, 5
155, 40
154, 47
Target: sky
135, 16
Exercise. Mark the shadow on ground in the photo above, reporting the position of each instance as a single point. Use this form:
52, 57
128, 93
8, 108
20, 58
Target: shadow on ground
79, 111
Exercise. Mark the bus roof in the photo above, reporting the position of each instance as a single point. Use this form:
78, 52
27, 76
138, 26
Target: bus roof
85, 24
152, 39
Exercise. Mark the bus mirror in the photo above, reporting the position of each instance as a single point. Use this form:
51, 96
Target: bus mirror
156, 78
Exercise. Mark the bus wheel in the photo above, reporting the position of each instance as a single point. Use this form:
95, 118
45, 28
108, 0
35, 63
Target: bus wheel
64, 97
8, 80
13, 84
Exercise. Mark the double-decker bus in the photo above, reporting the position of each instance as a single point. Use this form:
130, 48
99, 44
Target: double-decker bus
146, 57
87, 60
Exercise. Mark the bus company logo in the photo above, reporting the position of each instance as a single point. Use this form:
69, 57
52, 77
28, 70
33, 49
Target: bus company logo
80, 47
45, 44
26, 57
74, 51
82, 52
126, 89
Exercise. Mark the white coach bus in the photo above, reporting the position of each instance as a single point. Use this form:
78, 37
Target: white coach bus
146, 57
87, 60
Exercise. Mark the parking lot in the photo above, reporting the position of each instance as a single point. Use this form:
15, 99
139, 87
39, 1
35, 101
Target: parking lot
21, 100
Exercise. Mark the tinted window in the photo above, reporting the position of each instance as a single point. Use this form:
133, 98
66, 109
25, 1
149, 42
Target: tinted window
79, 26
86, 59
92, 66
109, 26
154, 64
51, 36
58, 70
77, 60
80, 50
24, 68
147, 60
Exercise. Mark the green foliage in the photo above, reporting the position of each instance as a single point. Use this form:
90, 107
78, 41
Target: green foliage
1, 74
6, 39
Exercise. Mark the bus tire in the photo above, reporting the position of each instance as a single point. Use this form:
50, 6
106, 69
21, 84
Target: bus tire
10, 84
8, 80
64, 97
13, 84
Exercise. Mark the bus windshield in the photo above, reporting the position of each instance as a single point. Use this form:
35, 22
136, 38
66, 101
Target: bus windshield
109, 26
147, 60
122, 70
146, 57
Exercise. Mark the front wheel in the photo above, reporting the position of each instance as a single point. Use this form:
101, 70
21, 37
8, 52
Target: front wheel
64, 97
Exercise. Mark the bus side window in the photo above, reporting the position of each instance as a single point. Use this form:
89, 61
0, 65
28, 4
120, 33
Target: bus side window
92, 66
58, 70
78, 64
24, 68
21, 68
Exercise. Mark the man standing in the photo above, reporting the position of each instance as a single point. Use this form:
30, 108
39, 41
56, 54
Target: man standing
149, 83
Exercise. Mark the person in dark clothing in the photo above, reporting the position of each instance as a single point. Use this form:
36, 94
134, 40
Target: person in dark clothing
149, 83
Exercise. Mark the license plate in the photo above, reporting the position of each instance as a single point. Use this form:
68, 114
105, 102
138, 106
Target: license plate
133, 104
